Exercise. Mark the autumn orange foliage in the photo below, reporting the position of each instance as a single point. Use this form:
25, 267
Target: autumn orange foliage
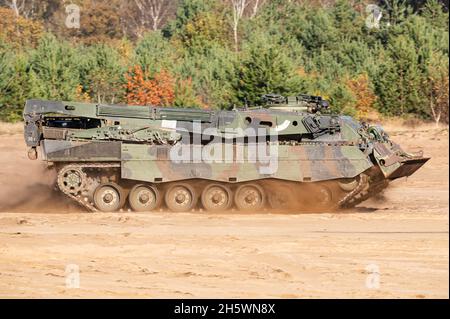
81, 95
18, 31
364, 96
143, 89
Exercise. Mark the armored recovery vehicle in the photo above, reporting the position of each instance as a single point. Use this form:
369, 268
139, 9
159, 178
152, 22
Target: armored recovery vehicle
286, 154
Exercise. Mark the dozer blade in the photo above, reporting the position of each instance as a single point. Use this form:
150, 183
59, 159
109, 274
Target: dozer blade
408, 167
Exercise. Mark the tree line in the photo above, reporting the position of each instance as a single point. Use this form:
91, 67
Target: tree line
389, 59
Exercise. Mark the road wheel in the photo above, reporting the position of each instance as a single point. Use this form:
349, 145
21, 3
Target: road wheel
322, 197
144, 198
281, 197
216, 198
180, 198
108, 198
249, 197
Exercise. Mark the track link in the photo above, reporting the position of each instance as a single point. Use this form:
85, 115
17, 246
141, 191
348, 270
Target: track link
83, 201
364, 190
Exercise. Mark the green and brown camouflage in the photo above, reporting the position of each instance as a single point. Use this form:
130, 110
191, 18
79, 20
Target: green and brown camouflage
248, 158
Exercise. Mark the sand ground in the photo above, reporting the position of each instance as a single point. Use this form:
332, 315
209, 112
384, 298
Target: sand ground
396, 246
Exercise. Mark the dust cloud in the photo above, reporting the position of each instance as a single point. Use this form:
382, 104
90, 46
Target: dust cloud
28, 186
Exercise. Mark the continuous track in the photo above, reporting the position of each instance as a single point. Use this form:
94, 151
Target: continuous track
91, 174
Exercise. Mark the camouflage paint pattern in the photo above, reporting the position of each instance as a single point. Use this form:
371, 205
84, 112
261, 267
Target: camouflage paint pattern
311, 146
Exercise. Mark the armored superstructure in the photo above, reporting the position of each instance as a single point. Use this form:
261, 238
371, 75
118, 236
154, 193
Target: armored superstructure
286, 154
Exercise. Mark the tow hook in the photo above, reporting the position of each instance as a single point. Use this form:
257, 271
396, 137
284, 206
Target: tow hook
32, 153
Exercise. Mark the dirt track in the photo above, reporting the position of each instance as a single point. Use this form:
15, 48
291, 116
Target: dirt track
401, 239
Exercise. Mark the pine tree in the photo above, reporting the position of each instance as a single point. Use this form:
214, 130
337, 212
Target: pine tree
154, 53
399, 82
212, 72
55, 65
15, 86
103, 74
435, 14
265, 69
436, 87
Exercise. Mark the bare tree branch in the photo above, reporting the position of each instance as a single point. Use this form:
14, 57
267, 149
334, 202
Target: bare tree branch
238, 8
257, 4
24, 8
152, 10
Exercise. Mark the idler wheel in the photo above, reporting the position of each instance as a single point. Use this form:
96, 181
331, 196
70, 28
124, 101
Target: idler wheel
216, 198
71, 180
144, 198
249, 197
108, 198
180, 198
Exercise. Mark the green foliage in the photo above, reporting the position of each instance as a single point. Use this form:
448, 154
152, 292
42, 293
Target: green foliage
54, 66
102, 74
185, 95
204, 30
186, 12
288, 47
154, 53
265, 68
346, 20
399, 82
435, 15
211, 72
14, 84
436, 87
314, 29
